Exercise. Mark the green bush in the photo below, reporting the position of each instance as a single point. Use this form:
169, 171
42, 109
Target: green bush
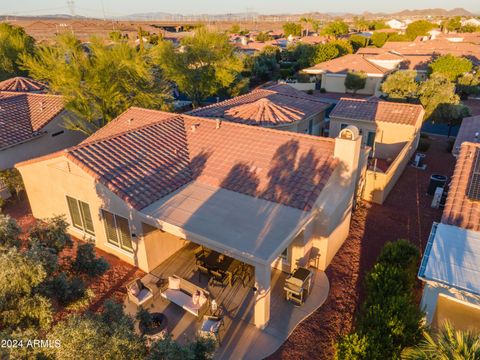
389, 320
9, 231
47, 257
286, 73
423, 145
52, 233
86, 262
65, 290
352, 347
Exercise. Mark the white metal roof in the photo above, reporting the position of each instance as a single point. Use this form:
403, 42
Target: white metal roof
253, 228
452, 257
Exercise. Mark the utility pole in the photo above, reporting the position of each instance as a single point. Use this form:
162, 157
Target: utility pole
71, 7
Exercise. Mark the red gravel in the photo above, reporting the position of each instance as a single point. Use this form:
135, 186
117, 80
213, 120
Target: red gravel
405, 214
110, 285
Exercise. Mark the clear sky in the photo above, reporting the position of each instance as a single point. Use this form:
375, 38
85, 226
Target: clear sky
186, 7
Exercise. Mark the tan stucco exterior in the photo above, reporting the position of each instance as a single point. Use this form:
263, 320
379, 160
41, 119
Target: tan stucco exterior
392, 142
336, 83
43, 144
49, 180
442, 303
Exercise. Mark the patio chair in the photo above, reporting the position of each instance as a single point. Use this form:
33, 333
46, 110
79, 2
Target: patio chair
139, 293
203, 270
210, 327
222, 278
200, 255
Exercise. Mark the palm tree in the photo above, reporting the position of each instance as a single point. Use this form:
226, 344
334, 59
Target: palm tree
447, 344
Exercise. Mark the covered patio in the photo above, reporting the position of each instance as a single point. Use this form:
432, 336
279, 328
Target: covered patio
236, 302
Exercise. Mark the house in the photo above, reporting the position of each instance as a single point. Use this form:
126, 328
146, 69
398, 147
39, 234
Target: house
391, 130
396, 24
449, 267
469, 132
22, 84
278, 106
32, 124
151, 182
331, 74
471, 22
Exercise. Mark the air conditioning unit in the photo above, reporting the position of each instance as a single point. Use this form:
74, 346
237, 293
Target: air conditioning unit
418, 161
437, 197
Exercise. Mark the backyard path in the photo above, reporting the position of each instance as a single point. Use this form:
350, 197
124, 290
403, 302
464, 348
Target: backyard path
405, 214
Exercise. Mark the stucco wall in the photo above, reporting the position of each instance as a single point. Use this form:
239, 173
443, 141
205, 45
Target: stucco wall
442, 303
44, 144
336, 83
48, 182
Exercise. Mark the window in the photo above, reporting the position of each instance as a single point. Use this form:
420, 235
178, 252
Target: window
343, 126
371, 138
80, 215
284, 255
117, 230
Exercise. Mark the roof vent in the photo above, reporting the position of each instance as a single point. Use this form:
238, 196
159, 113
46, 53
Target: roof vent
194, 127
42, 105
477, 134
129, 121
218, 123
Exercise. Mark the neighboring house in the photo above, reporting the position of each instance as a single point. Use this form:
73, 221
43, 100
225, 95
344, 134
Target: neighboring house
390, 129
469, 132
279, 106
471, 21
23, 84
450, 265
150, 182
32, 125
331, 74
396, 24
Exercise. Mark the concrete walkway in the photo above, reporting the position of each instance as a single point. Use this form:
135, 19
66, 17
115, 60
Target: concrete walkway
244, 341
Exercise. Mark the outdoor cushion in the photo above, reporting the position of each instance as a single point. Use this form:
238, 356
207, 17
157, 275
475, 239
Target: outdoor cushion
211, 325
181, 299
173, 283
202, 299
134, 289
144, 295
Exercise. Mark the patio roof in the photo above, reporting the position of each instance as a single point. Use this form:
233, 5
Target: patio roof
248, 228
451, 258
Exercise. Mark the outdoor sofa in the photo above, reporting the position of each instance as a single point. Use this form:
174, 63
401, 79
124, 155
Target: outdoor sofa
187, 295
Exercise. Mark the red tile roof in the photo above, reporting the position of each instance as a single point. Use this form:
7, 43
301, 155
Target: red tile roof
469, 131
21, 84
459, 209
350, 62
279, 104
144, 155
378, 110
23, 115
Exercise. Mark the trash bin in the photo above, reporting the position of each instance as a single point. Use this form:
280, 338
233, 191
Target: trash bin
436, 181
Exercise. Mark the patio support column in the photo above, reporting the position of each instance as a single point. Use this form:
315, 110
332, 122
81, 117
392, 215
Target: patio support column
262, 295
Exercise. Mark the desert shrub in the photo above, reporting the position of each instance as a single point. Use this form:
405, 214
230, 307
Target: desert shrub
423, 145
86, 262
389, 320
46, 256
52, 233
286, 73
82, 302
9, 231
65, 290
352, 347
200, 349
310, 92
323, 90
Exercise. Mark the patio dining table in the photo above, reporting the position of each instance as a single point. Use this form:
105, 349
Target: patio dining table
217, 261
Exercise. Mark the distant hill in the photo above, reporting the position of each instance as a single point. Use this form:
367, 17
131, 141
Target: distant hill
434, 12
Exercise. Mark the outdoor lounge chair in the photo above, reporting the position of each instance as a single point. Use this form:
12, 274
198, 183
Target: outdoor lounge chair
210, 327
139, 293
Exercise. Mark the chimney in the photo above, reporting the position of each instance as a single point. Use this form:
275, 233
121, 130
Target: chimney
218, 123
347, 148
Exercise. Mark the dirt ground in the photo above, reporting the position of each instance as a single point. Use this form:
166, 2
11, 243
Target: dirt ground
405, 214
110, 285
